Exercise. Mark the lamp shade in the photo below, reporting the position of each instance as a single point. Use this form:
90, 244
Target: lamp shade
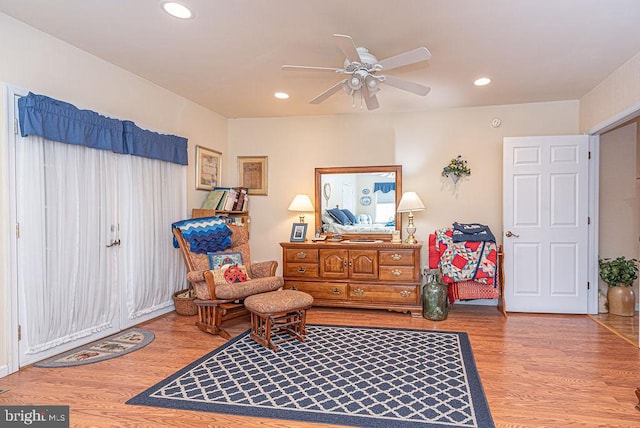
301, 203
410, 201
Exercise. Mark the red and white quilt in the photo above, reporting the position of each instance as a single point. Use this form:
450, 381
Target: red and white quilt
465, 261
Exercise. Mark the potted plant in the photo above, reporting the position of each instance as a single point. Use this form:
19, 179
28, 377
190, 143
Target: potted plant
619, 274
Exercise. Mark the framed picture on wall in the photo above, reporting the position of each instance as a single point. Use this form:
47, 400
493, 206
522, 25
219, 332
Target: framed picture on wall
252, 174
208, 168
298, 232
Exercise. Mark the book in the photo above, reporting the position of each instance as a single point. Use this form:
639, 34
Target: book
223, 198
213, 199
236, 199
239, 206
231, 198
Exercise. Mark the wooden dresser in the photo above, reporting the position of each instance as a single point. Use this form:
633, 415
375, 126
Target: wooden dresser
373, 275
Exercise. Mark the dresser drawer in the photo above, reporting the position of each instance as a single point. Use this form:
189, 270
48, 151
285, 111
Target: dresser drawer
384, 293
320, 290
396, 273
396, 257
301, 270
303, 255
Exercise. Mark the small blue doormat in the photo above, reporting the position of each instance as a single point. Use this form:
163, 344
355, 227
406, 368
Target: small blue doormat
358, 376
104, 349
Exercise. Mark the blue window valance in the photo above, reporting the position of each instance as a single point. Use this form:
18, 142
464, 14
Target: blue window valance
149, 144
384, 187
63, 122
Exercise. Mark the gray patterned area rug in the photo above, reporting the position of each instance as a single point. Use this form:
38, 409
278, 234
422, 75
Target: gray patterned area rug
357, 376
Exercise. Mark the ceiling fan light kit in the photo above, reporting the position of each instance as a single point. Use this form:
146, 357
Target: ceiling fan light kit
362, 68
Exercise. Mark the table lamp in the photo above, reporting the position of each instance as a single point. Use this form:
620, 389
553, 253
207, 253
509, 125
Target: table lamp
410, 202
301, 204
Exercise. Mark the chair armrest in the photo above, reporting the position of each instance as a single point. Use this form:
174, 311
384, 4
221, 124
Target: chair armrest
195, 276
203, 284
263, 269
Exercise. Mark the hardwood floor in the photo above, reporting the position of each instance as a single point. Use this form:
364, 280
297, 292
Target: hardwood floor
537, 371
625, 327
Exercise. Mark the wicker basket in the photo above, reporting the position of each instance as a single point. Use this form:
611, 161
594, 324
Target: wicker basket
184, 302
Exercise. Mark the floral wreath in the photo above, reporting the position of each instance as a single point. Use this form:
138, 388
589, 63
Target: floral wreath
457, 167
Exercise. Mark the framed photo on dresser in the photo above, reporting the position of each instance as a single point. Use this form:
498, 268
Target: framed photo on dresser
298, 232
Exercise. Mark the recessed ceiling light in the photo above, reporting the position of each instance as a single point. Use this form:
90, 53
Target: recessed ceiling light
482, 81
176, 9
281, 95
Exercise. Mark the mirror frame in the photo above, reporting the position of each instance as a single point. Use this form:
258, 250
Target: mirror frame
397, 169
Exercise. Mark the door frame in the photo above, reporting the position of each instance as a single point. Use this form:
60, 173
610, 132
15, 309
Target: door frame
10, 333
8, 203
631, 112
594, 223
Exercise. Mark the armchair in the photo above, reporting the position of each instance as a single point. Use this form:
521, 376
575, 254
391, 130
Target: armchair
218, 303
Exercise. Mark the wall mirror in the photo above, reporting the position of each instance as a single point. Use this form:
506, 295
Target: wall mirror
358, 202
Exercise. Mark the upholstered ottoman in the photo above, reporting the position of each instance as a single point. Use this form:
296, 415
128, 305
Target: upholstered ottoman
278, 316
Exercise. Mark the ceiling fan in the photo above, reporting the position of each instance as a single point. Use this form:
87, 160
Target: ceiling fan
364, 72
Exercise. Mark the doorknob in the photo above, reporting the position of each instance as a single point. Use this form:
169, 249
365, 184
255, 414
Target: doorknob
509, 234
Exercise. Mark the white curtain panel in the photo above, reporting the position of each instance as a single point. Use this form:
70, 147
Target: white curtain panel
152, 196
66, 274
72, 202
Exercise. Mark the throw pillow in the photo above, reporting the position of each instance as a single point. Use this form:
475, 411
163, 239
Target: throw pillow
349, 214
340, 217
327, 219
217, 260
230, 274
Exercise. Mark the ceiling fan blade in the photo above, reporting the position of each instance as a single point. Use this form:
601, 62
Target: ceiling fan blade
409, 57
406, 85
308, 67
326, 94
348, 48
370, 99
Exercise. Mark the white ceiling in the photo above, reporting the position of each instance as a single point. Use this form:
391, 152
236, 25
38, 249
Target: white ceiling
229, 56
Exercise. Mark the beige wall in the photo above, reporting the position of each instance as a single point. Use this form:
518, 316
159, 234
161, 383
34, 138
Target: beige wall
37, 62
619, 204
618, 94
423, 143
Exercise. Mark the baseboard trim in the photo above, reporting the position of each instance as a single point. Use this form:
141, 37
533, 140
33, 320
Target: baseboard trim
4, 371
483, 302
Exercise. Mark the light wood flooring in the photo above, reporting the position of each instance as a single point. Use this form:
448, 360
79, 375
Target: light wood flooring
625, 327
537, 371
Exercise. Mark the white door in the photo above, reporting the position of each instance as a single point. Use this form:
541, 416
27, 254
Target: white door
347, 198
545, 223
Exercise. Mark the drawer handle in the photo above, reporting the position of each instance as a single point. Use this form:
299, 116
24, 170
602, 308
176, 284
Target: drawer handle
405, 293
293, 287
358, 291
301, 255
336, 291
396, 272
302, 269
396, 256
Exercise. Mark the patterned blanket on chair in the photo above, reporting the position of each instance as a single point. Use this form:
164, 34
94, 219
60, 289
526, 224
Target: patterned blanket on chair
465, 261
204, 235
